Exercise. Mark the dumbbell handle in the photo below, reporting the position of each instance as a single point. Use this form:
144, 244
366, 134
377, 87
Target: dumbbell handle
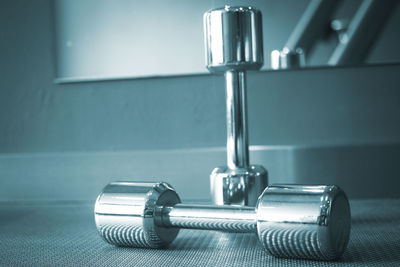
207, 217
236, 116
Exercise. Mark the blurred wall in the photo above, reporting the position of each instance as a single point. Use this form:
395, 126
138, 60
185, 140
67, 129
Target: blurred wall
295, 107
305, 107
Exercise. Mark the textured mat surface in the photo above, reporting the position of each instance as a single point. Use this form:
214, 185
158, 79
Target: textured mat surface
54, 234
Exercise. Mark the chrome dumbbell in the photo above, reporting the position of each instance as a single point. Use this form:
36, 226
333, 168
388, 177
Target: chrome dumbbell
233, 38
292, 221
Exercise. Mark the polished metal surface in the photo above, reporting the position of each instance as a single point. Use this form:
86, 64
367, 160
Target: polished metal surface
210, 217
292, 221
237, 143
304, 221
125, 214
240, 186
233, 40
292, 59
288, 59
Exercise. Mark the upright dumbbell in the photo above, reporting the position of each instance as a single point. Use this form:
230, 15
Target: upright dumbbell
233, 39
292, 221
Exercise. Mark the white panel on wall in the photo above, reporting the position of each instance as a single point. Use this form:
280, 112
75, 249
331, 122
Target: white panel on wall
100, 39
103, 39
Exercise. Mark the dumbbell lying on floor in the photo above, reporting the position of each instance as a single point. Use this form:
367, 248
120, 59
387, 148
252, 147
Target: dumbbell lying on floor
292, 221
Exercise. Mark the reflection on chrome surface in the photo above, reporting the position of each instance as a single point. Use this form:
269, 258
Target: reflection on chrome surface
233, 40
292, 221
304, 221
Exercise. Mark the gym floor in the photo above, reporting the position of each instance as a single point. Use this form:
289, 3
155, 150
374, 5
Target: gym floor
64, 234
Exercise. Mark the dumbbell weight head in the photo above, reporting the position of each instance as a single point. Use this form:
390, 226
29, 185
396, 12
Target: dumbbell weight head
238, 186
233, 39
125, 214
300, 221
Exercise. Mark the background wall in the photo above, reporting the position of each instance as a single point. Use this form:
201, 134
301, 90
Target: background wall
306, 107
101, 39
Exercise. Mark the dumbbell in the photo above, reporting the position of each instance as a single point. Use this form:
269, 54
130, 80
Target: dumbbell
233, 45
292, 221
